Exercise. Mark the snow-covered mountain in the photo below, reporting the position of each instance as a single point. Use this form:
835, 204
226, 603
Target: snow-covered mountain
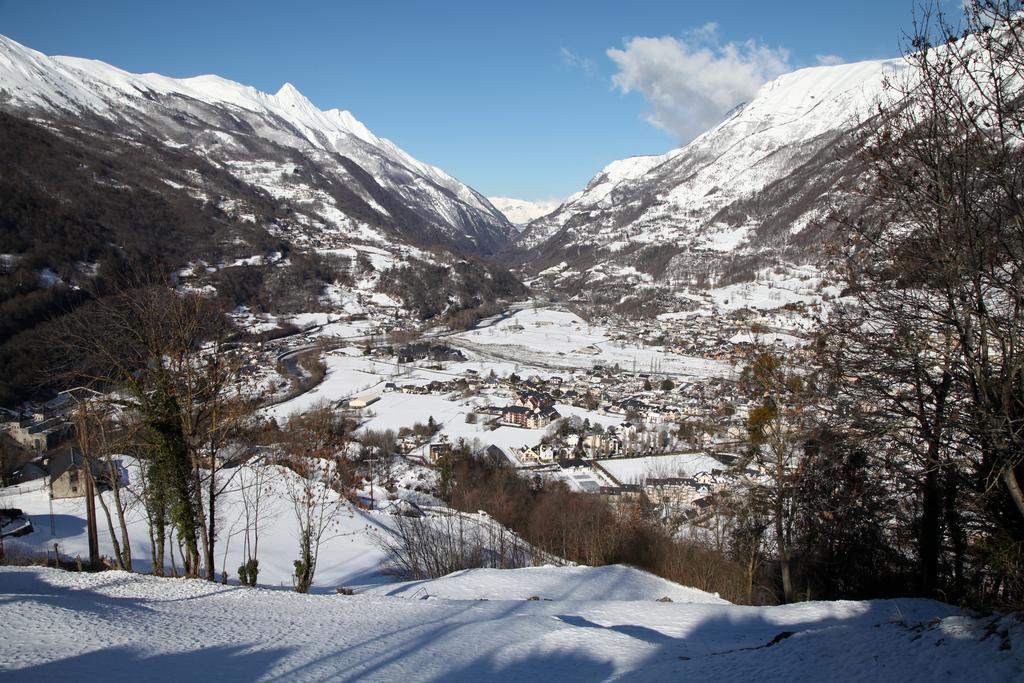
345, 182
758, 180
522, 211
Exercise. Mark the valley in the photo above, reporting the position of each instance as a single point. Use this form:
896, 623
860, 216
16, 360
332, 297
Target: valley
281, 401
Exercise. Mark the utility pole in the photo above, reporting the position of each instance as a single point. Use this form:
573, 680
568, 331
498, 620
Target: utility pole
85, 456
90, 517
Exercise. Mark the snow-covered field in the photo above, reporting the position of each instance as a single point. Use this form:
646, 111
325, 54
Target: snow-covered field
476, 626
346, 376
637, 470
557, 340
397, 410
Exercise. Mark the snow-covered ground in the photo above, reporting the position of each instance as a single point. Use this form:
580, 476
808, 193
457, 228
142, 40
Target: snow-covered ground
397, 410
117, 626
346, 376
638, 470
349, 554
560, 341
614, 583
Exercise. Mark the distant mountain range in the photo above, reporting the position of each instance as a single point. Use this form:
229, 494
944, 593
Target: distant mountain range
109, 179
759, 185
343, 182
521, 211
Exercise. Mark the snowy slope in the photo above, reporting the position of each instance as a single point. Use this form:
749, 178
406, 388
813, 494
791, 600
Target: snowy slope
700, 197
349, 554
595, 194
116, 626
239, 126
582, 584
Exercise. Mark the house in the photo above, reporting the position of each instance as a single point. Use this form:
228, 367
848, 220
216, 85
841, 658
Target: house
67, 474
546, 453
542, 417
439, 449
37, 434
705, 478
8, 419
627, 430
407, 445
533, 399
531, 418
535, 454
526, 454
630, 404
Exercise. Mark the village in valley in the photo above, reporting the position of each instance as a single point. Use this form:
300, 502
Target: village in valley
341, 342
631, 410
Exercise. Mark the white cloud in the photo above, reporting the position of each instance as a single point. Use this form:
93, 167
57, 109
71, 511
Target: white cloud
574, 61
691, 82
829, 60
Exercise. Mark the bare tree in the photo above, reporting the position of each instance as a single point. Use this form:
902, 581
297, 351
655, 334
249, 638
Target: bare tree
937, 267
254, 485
167, 355
427, 547
315, 445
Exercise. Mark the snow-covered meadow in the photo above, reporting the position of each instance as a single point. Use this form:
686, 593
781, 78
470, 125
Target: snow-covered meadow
552, 340
565, 624
638, 470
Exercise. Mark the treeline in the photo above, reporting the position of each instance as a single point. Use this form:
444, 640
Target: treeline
586, 529
296, 287
93, 211
432, 289
891, 459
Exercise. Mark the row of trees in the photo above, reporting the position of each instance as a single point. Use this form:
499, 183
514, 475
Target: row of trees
167, 361
172, 396
579, 527
892, 463
934, 338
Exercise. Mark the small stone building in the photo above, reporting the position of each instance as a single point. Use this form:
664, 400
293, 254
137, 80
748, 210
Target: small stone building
67, 474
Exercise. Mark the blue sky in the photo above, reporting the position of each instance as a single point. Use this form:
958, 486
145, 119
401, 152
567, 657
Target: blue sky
519, 99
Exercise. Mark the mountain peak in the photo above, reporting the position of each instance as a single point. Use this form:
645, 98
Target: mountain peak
289, 95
